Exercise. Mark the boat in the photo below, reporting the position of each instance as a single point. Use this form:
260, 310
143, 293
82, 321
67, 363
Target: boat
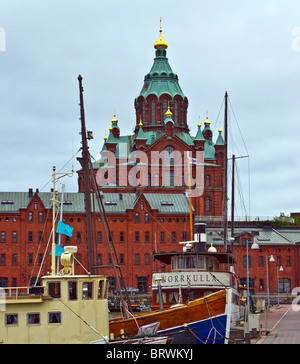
198, 293
65, 309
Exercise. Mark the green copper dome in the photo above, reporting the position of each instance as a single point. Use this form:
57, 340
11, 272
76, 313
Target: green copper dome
161, 79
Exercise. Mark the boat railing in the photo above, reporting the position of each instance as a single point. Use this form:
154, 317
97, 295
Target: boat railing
19, 292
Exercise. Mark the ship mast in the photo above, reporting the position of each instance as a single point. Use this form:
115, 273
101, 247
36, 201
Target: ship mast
55, 177
84, 161
90, 186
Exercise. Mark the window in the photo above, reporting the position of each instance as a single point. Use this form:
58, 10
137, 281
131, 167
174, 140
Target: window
190, 262
288, 261
54, 317
261, 261
99, 259
169, 157
30, 259
103, 289
147, 237
245, 261
14, 259
14, 237
11, 319
2, 259
162, 237
153, 111
147, 259
33, 319
200, 262
207, 180
173, 237
172, 177
207, 204
3, 282
3, 237
147, 220
261, 284
284, 285
30, 217
165, 108
142, 284
87, 290
278, 261
122, 260
121, 237
54, 289
137, 236
78, 237
176, 111
99, 237
137, 259
72, 290
184, 236
137, 218
30, 236
41, 217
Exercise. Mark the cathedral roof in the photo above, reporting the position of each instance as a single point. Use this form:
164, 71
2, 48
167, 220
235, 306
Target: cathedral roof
161, 79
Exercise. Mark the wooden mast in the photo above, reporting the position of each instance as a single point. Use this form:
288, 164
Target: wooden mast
84, 161
90, 185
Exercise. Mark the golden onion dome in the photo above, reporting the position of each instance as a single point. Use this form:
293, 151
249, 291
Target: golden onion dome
207, 122
114, 120
160, 43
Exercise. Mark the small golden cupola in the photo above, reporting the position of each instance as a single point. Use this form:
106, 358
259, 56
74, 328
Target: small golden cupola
160, 43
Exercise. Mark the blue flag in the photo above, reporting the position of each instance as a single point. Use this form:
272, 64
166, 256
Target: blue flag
64, 229
58, 250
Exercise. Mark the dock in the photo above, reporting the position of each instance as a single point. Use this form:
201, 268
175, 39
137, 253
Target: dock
284, 322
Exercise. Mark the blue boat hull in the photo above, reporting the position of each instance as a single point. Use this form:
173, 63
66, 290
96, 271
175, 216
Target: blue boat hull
209, 331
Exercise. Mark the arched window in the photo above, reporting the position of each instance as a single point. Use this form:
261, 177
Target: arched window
176, 111
207, 181
169, 155
153, 111
207, 204
165, 108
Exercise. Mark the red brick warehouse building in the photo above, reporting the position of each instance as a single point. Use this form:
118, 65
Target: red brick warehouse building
152, 215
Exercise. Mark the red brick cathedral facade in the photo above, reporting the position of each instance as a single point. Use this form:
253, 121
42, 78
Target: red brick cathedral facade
144, 180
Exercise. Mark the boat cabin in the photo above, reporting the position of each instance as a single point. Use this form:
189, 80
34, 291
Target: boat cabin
65, 309
192, 273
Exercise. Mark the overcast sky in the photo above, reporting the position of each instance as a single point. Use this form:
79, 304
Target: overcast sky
248, 48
